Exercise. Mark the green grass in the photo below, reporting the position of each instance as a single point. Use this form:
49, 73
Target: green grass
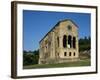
85, 62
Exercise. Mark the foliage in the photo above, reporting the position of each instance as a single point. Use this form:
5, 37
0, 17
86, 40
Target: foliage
84, 44
30, 57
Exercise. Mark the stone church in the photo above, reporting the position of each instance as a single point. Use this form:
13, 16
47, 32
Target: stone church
60, 44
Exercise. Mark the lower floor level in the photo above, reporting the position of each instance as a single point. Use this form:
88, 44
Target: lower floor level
57, 60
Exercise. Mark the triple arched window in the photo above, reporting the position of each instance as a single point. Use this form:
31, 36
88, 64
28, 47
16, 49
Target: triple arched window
69, 41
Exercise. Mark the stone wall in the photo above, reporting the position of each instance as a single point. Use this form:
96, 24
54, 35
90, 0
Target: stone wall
52, 47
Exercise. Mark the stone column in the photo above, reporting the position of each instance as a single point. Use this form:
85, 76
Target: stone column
77, 46
53, 45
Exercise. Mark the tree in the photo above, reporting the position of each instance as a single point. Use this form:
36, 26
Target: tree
30, 57
84, 43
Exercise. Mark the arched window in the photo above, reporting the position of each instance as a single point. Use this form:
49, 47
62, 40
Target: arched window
69, 53
58, 41
74, 53
64, 41
58, 54
65, 53
74, 42
69, 41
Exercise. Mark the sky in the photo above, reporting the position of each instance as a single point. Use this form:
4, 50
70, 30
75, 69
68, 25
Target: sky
37, 23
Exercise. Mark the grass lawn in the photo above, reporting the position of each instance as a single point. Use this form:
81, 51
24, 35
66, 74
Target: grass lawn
85, 62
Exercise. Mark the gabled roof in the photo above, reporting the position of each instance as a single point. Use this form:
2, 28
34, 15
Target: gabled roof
57, 25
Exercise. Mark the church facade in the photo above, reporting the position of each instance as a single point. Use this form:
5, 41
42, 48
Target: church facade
60, 44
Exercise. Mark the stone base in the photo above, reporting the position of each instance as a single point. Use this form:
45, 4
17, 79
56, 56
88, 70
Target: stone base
59, 60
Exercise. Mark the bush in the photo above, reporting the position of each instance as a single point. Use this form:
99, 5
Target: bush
30, 58
84, 44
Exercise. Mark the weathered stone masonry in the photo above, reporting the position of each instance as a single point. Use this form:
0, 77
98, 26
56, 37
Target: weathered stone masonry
60, 44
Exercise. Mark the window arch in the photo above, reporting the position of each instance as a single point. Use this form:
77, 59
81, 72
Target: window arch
69, 41
64, 41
